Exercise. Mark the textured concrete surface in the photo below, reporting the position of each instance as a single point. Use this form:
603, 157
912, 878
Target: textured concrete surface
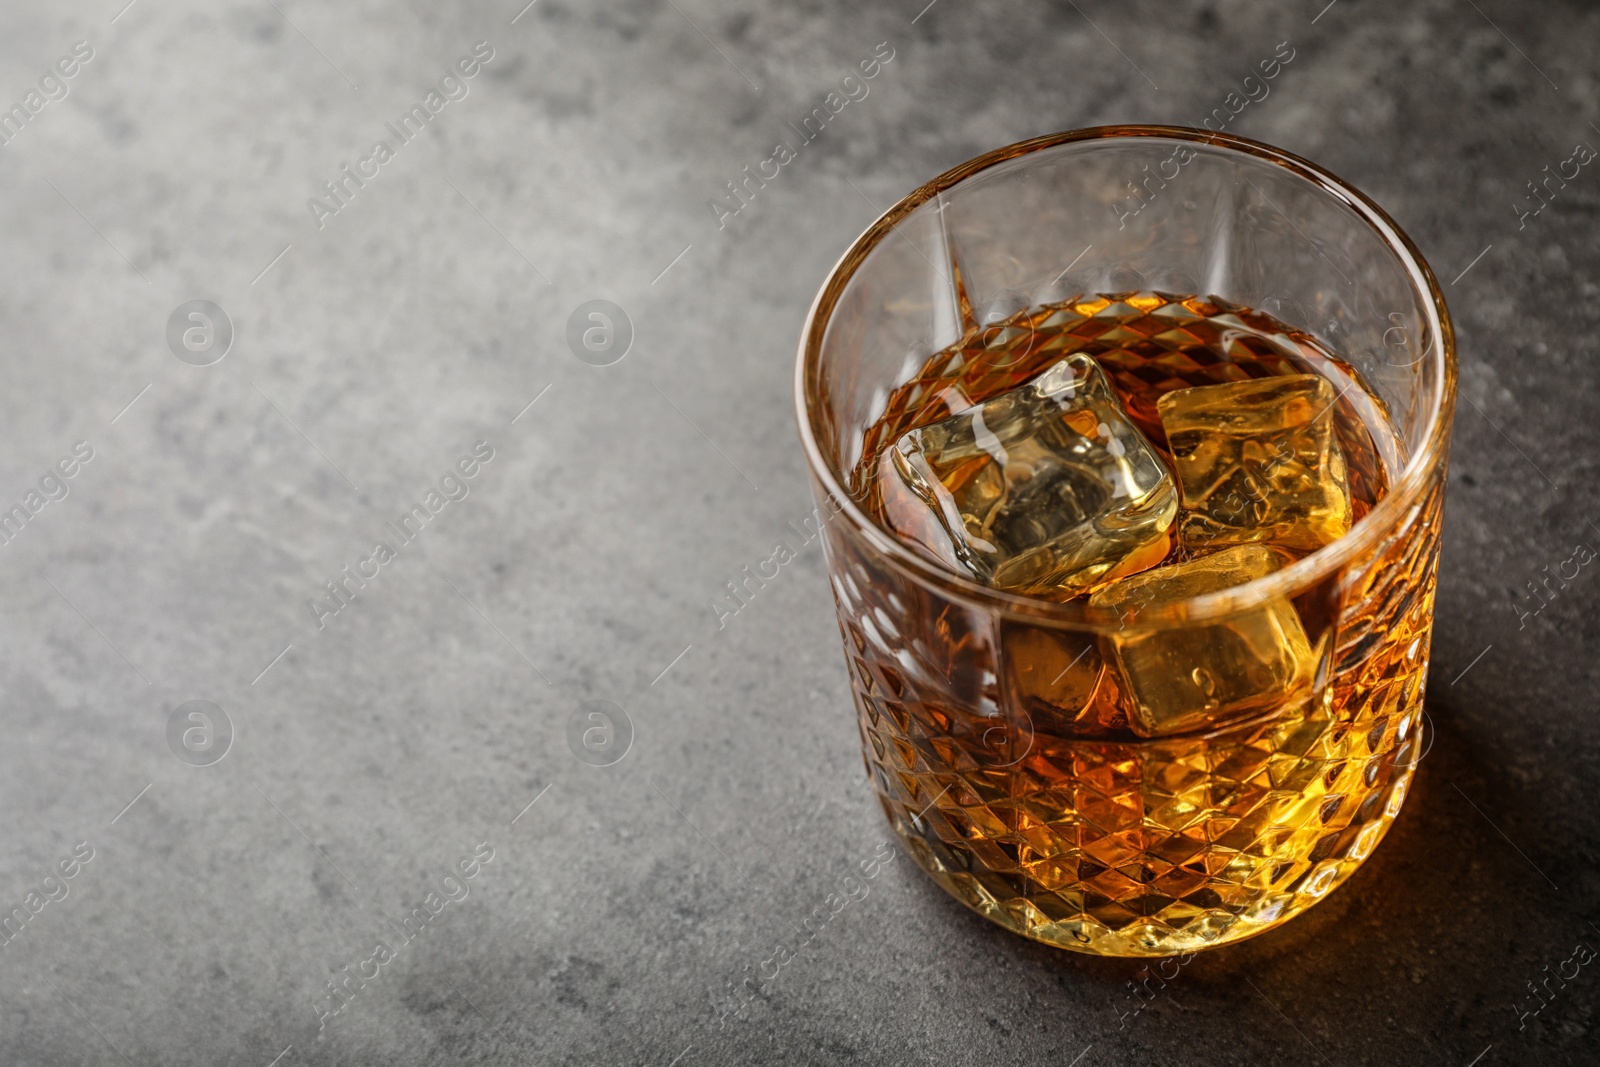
410, 732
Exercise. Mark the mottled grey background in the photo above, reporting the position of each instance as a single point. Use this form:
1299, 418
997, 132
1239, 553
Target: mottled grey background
426, 716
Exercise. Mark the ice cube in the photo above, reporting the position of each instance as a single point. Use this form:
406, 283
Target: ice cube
1047, 489
1257, 461
1193, 675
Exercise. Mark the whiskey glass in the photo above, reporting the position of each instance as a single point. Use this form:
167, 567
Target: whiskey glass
1116, 844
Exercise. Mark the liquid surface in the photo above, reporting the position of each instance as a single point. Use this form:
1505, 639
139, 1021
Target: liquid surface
1149, 346
1137, 791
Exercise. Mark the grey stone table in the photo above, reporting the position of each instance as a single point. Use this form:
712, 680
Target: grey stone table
398, 771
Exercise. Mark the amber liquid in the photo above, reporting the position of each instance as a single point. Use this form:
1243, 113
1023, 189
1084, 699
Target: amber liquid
1000, 749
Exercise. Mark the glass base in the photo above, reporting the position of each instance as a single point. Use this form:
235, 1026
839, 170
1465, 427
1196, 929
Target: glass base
1178, 928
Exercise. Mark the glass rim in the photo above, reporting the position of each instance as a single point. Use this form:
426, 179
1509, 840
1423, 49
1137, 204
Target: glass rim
1304, 573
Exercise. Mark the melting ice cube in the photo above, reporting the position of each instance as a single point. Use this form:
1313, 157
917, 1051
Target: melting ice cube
1047, 489
1257, 461
1192, 675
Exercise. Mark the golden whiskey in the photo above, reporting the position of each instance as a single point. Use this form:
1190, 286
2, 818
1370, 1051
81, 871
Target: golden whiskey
1136, 784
